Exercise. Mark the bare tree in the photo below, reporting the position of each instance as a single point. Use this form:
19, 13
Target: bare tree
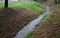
6, 3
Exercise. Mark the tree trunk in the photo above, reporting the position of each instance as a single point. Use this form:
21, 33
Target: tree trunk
6, 3
55, 1
58, 1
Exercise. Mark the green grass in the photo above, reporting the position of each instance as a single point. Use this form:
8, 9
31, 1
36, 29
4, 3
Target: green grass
1, 4
29, 34
30, 5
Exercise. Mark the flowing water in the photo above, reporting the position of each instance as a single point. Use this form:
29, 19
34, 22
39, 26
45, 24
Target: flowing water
30, 27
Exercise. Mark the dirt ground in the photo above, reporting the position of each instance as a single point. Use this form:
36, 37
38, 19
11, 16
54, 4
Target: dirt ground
12, 20
51, 28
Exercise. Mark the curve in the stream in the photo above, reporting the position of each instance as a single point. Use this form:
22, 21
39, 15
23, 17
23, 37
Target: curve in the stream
30, 27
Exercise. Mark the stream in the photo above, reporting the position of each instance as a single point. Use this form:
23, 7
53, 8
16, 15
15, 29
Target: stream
30, 26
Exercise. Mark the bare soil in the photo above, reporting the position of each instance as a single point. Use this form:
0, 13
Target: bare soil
51, 28
12, 20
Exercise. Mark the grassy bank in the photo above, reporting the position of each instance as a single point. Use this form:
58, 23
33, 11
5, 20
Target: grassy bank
30, 5
29, 34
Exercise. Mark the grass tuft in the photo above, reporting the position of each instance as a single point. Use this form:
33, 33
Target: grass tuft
29, 34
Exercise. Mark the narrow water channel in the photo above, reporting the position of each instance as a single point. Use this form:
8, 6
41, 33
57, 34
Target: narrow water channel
30, 27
